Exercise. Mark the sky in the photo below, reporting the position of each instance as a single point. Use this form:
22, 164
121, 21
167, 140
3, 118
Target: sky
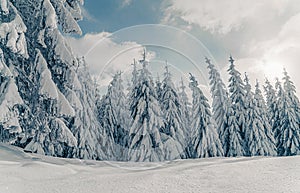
263, 36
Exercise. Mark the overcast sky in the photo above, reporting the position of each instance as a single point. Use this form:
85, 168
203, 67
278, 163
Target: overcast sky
262, 35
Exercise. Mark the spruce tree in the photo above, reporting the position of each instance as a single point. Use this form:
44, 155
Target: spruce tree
144, 136
52, 136
259, 139
261, 104
288, 138
237, 96
220, 99
158, 88
272, 106
290, 90
279, 109
12, 45
56, 103
233, 144
249, 118
173, 124
118, 98
134, 73
186, 112
87, 128
113, 118
107, 118
205, 140
133, 85
9, 100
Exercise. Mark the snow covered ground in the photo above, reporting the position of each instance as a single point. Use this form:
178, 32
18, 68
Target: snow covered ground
30, 173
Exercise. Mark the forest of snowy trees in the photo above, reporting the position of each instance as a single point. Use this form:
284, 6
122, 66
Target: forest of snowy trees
50, 105
156, 121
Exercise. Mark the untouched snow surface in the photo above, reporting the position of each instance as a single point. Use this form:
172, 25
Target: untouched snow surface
30, 173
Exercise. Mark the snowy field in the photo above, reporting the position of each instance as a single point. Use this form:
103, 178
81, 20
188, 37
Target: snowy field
28, 173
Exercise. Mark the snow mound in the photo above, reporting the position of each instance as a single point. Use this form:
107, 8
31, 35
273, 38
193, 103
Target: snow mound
30, 173
11, 153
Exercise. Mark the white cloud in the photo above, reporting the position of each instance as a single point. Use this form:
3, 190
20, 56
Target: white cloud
224, 16
282, 51
87, 15
263, 36
104, 56
126, 3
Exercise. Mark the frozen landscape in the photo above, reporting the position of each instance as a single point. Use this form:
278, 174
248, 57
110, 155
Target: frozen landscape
226, 126
31, 173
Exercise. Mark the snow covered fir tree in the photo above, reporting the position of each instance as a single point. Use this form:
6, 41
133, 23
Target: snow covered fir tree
205, 140
50, 104
43, 84
258, 135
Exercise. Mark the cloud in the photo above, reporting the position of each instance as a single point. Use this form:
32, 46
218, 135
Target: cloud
277, 53
285, 47
223, 16
126, 3
263, 36
104, 56
86, 15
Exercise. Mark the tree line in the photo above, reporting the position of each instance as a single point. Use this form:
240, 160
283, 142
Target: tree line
155, 121
50, 105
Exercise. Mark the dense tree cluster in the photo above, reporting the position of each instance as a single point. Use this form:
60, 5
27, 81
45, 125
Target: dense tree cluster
50, 105
47, 98
165, 125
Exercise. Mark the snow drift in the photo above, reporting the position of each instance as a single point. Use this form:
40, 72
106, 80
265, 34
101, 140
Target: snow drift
30, 173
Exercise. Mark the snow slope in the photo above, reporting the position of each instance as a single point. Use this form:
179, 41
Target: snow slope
31, 173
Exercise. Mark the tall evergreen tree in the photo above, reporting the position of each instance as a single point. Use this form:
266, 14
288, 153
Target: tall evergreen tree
288, 138
113, 118
134, 73
173, 123
107, 118
259, 139
290, 90
9, 98
87, 128
233, 144
12, 44
185, 109
47, 78
134, 83
272, 106
145, 140
220, 99
205, 140
158, 88
119, 105
261, 104
237, 97
249, 118
279, 108
52, 136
